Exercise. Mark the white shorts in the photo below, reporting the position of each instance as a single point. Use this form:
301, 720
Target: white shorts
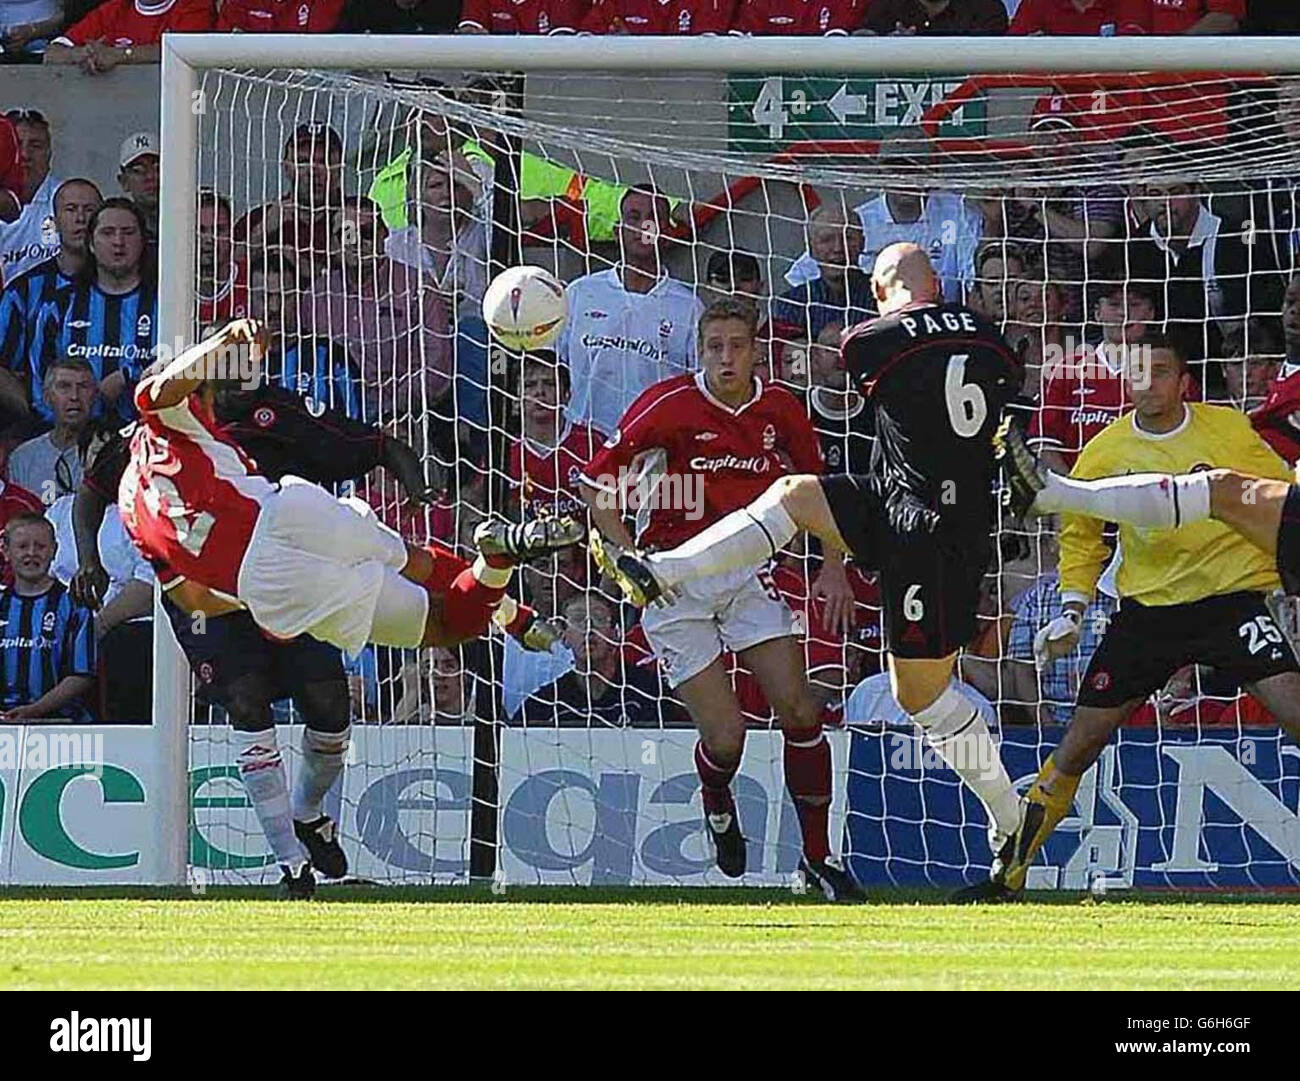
724, 611
317, 565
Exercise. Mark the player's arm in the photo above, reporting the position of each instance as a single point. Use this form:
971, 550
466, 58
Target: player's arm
182, 376
51, 703
133, 599
601, 481
1083, 557
90, 583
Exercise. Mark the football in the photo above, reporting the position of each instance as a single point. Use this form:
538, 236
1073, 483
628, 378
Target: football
525, 307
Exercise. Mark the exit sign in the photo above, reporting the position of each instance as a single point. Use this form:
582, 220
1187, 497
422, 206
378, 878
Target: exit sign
768, 114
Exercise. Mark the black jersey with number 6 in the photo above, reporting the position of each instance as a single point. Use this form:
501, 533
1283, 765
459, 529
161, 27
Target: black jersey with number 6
937, 377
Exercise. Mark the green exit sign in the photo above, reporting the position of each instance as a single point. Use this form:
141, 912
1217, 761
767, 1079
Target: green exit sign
769, 114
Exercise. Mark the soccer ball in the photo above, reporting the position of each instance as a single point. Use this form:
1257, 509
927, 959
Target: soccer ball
525, 307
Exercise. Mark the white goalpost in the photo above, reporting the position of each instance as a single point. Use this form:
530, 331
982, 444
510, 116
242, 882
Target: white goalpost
1043, 163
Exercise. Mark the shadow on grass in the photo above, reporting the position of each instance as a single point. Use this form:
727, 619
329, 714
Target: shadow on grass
481, 893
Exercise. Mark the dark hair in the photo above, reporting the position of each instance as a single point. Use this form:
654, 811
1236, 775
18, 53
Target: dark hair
998, 249
211, 195
654, 193
28, 517
546, 358
1160, 339
731, 265
272, 261
117, 202
730, 308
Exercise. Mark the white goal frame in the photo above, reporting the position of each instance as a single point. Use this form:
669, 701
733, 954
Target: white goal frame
185, 56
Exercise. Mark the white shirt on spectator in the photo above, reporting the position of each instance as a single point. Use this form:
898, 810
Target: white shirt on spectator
618, 343
465, 275
948, 231
121, 559
34, 465
872, 702
33, 238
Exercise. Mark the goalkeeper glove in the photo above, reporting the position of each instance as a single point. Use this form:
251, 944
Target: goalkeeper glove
1058, 638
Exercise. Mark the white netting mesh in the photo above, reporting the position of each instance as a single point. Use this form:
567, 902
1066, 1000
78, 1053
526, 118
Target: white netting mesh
1038, 197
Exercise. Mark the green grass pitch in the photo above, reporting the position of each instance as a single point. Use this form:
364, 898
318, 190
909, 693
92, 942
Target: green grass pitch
358, 937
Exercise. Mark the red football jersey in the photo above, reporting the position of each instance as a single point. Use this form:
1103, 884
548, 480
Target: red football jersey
1077, 404
137, 22
280, 16
1177, 16
548, 483
799, 16
523, 16
1062, 17
660, 16
1278, 419
231, 299
190, 497
711, 459
14, 500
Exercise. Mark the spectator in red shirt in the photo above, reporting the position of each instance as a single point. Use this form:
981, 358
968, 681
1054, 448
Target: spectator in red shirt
280, 16
127, 32
1185, 17
222, 286
935, 17
798, 16
1089, 17
521, 16
659, 17
11, 172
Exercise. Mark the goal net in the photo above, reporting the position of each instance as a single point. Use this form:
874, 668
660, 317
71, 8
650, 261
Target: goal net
369, 209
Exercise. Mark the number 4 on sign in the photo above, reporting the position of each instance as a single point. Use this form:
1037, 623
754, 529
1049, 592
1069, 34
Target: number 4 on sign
768, 108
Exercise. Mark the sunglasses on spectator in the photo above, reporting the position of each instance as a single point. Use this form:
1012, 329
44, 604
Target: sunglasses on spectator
27, 116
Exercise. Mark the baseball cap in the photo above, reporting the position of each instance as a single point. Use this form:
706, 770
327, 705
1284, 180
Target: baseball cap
309, 133
138, 146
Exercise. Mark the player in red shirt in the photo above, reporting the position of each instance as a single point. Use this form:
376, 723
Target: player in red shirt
693, 449
11, 173
1278, 419
280, 16
798, 16
127, 32
521, 16
1085, 394
301, 561
658, 17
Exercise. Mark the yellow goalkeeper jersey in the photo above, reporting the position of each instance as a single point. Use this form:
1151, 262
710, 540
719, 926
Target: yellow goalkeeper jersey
1171, 566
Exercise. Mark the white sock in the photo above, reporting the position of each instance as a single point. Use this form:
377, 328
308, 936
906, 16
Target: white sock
1147, 500
487, 575
262, 771
958, 732
744, 538
322, 762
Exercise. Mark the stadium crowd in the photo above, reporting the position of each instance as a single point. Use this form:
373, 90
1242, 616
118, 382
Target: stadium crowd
373, 301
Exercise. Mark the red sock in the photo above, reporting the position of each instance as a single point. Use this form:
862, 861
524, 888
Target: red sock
516, 626
467, 606
808, 779
715, 782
